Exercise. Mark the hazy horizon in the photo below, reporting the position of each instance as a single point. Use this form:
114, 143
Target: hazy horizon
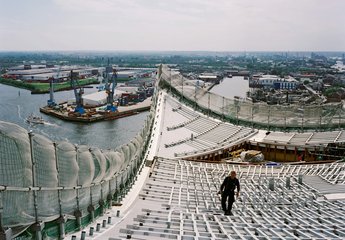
167, 51
172, 26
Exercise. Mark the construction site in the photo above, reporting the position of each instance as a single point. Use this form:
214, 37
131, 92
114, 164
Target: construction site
164, 183
101, 105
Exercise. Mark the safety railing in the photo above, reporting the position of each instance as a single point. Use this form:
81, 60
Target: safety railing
48, 189
293, 117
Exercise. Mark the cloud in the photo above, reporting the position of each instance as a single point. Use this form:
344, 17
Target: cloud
176, 25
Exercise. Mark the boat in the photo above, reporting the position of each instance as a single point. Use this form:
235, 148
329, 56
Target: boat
34, 119
273, 164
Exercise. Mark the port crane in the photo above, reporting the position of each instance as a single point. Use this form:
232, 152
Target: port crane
110, 80
51, 102
78, 94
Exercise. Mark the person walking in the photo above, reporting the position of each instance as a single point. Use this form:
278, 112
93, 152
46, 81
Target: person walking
227, 191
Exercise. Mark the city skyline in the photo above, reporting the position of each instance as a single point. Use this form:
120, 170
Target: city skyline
196, 25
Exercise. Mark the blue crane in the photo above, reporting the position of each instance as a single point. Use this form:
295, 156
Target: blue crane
51, 101
78, 94
110, 79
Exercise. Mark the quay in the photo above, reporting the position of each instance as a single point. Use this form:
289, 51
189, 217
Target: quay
96, 116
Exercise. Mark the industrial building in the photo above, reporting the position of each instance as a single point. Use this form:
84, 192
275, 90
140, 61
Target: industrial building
44, 73
152, 187
273, 82
209, 77
133, 74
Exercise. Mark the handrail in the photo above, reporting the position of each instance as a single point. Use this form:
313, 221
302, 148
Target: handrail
293, 117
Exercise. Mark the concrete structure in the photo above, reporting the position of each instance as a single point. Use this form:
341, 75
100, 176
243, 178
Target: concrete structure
272, 81
45, 74
288, 84
209, 77
159, 195
179, 201
46, 77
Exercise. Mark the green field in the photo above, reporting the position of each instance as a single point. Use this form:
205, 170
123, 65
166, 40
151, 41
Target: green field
44, 87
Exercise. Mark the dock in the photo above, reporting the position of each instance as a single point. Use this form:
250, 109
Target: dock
96, 116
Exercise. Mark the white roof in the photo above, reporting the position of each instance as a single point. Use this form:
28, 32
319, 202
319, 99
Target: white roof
96, 96
208, 76
127, 89
269, 77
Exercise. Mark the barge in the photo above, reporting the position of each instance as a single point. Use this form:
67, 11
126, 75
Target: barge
93, 115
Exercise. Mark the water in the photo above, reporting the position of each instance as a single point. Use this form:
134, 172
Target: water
15, 107
231, 87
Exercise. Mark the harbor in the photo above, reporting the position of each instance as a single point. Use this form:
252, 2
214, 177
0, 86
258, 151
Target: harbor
93, 115
161, 120
16, 108
102, 105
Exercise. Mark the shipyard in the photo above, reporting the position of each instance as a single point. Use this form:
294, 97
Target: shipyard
162, 120
131, 98
63, 111
192, 122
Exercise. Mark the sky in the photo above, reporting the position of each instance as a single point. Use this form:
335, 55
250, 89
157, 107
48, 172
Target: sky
172, 25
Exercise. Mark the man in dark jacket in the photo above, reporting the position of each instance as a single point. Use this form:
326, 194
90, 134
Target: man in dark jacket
228, 192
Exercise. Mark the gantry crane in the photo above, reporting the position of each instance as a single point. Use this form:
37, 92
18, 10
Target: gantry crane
110, 79
51, 102
78, 94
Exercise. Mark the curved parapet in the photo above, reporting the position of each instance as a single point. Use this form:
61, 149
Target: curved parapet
112, 164
67, 164
16, 171
60, 178
301, 117
100, 165
16, 165
68, 168
86, 166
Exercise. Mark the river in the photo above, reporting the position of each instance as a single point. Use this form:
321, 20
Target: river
231, 87
16, 104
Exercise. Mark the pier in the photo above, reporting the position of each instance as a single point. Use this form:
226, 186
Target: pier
96, 116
